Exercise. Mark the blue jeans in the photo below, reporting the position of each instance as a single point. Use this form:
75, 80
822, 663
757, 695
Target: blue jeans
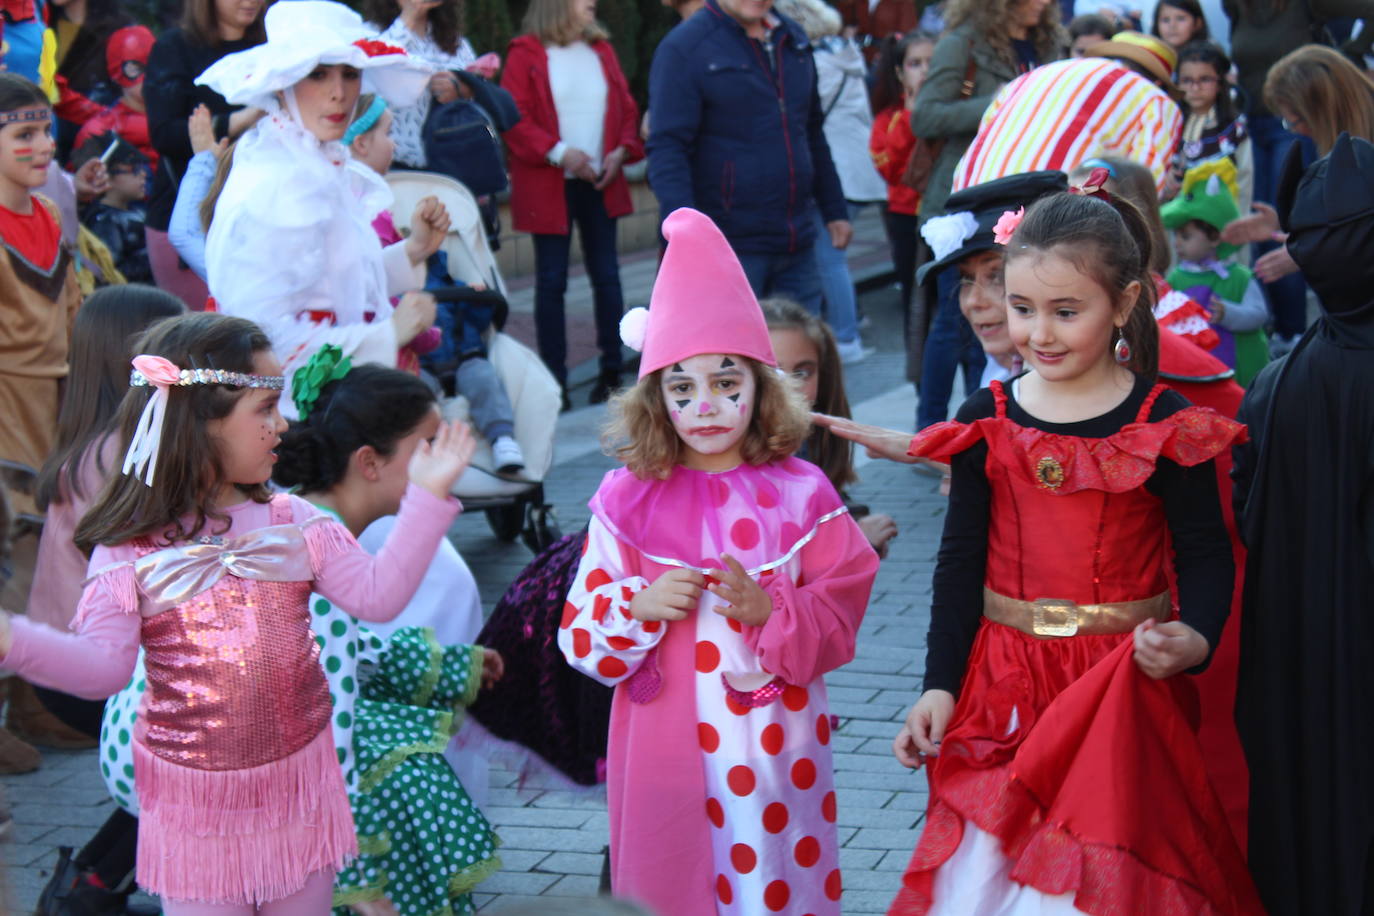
841, 305
587, 211
792, 275
1269, 141
950, 344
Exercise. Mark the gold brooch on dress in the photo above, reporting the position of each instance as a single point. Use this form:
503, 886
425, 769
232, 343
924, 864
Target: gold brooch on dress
1050, 473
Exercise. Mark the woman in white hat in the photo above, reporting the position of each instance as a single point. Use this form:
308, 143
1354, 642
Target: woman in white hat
290, 244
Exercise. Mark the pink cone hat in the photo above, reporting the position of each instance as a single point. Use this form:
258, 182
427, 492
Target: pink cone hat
701, 301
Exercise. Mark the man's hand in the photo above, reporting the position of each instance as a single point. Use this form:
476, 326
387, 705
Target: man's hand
91, 180
840, 233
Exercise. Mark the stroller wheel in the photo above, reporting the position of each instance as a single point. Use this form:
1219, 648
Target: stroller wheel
542, 528
506, 521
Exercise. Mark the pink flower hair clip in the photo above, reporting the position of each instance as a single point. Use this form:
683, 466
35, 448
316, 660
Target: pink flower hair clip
1006, 226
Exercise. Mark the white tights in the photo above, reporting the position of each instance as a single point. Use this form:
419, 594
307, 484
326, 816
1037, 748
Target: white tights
315, 899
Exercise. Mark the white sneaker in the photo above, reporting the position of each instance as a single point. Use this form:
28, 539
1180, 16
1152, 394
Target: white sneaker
853, 352
505, 452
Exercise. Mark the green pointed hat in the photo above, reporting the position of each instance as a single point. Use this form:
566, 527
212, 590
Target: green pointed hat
1208, 196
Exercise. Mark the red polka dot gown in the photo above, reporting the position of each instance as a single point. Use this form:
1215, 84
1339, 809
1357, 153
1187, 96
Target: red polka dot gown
720, 781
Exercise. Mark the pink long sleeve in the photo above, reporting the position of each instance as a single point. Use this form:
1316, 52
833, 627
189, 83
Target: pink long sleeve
815, 621
97, 660
378, 588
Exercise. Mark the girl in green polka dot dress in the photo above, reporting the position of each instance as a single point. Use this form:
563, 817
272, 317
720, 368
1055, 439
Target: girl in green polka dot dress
423, 843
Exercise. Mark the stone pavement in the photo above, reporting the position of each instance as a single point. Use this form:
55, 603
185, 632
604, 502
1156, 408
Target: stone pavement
553, 837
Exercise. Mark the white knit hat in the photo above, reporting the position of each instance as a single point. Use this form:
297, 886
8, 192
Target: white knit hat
301, 35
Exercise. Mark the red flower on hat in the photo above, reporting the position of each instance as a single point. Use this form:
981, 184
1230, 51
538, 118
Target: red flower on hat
373, 48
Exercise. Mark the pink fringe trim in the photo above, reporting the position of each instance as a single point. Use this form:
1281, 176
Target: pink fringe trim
114, 585
241, 836
325, 538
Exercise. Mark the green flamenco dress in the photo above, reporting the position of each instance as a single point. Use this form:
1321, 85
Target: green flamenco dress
422, 842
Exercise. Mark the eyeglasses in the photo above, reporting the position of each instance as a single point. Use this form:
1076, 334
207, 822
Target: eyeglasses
1187, 81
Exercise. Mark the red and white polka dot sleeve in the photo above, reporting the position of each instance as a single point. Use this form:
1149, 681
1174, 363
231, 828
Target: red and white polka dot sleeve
597, 634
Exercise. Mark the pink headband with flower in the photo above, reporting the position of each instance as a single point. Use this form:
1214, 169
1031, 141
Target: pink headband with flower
161, 375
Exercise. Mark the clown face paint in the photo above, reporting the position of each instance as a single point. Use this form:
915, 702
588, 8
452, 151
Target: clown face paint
710, 399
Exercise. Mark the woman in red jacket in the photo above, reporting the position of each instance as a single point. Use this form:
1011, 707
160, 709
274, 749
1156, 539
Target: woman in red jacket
579, 126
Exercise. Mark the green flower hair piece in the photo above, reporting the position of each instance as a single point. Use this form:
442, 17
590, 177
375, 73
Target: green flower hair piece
327, 365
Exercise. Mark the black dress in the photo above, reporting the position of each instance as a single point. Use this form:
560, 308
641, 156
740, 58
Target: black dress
1306, 512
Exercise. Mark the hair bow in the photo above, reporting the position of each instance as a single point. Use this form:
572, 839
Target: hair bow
328, 364
1095, 185
141, 458
1006, 225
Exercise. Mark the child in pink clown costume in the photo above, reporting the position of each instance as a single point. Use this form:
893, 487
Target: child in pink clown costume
244, 808
722, 578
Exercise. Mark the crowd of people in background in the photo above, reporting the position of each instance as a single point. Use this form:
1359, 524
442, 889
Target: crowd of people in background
1139, 234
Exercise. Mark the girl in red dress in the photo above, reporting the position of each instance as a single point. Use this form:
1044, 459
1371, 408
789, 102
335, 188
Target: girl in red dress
1064, 766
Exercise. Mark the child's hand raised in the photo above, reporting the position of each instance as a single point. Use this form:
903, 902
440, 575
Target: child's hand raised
493, 668
744, 600
1164, 649
669, 597
924, 728
429, 223
438, 463
202, 130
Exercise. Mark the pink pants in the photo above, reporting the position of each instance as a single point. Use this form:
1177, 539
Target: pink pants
170, 275
315, 899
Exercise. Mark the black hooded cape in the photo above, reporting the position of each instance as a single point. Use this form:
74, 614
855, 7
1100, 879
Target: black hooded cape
1305, 507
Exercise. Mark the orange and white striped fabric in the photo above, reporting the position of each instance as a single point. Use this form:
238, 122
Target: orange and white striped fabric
1059, 115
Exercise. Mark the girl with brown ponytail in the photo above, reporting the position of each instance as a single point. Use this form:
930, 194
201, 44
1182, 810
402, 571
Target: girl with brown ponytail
1056, 674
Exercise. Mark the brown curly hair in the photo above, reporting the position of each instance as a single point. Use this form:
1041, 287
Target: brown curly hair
640, 433
989, 19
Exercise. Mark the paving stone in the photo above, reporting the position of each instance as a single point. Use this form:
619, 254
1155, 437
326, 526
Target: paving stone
573, 863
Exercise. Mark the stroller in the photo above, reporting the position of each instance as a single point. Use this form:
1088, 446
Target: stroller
514, 507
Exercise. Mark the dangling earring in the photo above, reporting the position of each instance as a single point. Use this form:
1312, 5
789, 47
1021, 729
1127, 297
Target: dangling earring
1122, 350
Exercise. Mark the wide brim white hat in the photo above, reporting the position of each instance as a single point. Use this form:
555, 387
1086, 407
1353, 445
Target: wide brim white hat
303, 34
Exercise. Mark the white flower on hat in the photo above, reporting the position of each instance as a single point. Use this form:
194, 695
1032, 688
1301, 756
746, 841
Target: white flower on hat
945, 234
634, 324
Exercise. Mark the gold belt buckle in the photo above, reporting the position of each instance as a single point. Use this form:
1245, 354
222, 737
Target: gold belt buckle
1054, 617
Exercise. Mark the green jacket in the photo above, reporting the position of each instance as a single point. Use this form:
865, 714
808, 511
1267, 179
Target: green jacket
940, 112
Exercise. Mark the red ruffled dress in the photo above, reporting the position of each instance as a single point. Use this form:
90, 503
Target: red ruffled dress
1068, 780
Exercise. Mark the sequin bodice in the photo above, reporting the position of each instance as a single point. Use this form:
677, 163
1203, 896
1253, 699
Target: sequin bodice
233, 672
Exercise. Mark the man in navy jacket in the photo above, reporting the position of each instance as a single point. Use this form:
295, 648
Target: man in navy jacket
735, 132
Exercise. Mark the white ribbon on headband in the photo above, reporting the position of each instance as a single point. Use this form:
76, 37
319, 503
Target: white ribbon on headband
141, 458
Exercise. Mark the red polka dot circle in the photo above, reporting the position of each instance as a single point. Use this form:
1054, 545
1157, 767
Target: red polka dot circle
776, 895
745, 534
708, 657
743, 857
611, 667
807, 851
741, 780
715, 812
775, 817
772, 739
708, 737
803, 774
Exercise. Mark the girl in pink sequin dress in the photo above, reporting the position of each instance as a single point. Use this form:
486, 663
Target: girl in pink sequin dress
244, 809
722, 578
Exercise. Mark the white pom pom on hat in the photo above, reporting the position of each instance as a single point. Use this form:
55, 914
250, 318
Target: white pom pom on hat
633, 326
702, 302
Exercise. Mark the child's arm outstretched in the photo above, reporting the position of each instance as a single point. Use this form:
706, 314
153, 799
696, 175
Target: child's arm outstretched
612, 619
378, 588
96, 660
802, 629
